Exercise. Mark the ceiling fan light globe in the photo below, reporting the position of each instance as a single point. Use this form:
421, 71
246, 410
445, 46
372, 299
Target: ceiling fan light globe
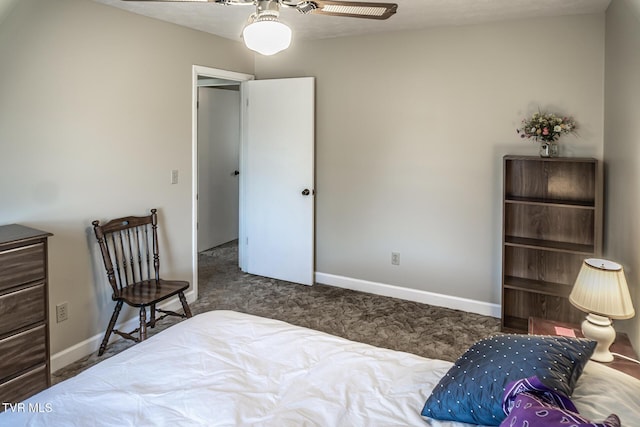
267, 37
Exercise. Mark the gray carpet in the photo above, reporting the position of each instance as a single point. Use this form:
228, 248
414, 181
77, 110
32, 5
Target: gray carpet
421, 329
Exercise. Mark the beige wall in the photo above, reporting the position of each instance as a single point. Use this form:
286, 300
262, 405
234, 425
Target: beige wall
5, 8
95, 111
622, 147
411, 130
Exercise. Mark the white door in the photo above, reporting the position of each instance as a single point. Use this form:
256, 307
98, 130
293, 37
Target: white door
277, 176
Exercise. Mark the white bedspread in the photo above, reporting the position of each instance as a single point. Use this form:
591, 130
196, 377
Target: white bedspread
224, 368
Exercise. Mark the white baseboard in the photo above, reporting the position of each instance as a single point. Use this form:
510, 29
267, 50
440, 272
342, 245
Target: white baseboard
440, 300
90, 345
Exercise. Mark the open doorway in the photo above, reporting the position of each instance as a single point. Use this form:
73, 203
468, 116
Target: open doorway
276, 164
217, 135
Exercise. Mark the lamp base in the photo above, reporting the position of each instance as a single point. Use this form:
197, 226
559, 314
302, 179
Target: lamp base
599, 329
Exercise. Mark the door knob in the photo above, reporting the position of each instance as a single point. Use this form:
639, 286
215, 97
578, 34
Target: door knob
306, 192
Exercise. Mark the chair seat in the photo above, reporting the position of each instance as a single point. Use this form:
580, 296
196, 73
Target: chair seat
151, 291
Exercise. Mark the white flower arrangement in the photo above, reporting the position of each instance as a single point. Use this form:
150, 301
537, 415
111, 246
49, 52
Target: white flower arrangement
546, 127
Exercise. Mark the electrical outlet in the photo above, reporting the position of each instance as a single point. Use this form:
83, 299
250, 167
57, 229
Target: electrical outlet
62, 312
174, 176
395, 258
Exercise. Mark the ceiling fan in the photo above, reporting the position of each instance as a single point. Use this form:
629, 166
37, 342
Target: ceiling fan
266, 34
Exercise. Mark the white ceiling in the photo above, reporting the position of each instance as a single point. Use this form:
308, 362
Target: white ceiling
228, 21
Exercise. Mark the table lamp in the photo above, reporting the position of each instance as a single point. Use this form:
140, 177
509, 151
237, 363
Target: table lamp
601, 291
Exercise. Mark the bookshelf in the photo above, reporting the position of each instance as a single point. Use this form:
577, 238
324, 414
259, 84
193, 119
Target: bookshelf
552, 220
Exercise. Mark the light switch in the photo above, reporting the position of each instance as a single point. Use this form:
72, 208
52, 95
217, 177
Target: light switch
174, 176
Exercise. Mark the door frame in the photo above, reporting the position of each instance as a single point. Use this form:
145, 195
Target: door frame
214, 73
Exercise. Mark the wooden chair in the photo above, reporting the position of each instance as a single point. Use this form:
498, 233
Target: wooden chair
129, 248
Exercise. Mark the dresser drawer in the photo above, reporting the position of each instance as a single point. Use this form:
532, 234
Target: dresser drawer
21, 265
22, 308
24, 386
22, 351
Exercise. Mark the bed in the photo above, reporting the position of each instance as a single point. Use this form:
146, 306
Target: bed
224, 368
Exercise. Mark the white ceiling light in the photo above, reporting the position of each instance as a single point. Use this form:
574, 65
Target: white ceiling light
265, 34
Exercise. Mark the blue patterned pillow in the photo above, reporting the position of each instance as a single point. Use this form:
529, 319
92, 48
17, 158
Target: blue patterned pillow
472, 390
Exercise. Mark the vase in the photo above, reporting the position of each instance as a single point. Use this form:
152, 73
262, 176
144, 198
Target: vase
549, 149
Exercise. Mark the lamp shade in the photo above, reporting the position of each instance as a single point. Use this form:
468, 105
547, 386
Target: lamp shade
601, 288
266, 35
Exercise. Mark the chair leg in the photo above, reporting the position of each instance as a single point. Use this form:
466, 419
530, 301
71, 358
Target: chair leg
152, 315
112, 324
185, 306
143, 323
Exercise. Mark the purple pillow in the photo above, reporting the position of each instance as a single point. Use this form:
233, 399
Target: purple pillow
528, 402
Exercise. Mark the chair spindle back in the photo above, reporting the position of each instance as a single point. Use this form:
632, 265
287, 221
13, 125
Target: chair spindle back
129, 248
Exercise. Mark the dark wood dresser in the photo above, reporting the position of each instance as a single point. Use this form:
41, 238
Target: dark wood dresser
24, 317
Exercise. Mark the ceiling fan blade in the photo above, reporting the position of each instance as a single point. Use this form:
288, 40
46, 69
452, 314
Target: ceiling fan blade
175, 1
352, 9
